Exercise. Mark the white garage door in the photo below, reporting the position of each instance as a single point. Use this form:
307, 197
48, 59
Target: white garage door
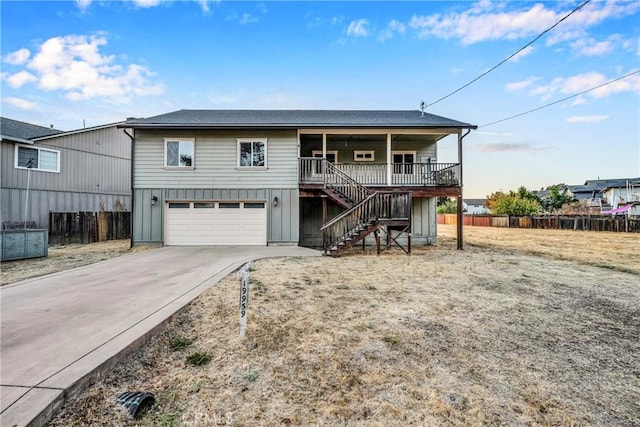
216, 223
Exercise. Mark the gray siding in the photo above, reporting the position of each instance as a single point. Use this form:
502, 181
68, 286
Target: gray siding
423, 221
41, 202
90, 162
215, 161
282, 220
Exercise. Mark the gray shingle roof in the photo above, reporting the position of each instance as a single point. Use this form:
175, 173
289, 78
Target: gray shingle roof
16, 129
296, 119
597, 185
474, 201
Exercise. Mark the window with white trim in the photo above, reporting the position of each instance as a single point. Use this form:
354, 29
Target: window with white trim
37, 158
179, 152
364, 155
403, 162
332, 155
252, 153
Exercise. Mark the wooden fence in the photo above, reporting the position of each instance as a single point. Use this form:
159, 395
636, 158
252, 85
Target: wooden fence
556, 222
88, 227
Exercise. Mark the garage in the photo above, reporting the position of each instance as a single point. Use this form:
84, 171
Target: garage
216, 223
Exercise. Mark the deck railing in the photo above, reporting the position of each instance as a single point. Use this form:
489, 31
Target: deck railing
370, 211
343, 184
315, 170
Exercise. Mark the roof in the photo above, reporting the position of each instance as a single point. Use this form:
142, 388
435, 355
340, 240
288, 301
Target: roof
71, 132
597, 185
474, 201
16, 130
211, 119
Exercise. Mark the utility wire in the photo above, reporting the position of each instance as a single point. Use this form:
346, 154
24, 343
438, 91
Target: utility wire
512, 55
562, 100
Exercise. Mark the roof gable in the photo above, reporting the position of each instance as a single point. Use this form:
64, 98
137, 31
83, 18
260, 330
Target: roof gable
296, 119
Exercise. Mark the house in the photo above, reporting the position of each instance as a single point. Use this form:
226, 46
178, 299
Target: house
475, 206
591, 190
303, 177
622, 197
80, 170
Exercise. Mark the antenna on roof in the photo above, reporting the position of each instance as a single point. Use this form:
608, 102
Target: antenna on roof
423, 106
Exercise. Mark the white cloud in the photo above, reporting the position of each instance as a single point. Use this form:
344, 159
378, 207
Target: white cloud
248, 19
592, 47
74, 65
82, 4
23, 104
523, 84
499, 147
486, 20
524, 52
587, 119
358, 28
20, 78
146, 3
19, 57
393, 27
582, 82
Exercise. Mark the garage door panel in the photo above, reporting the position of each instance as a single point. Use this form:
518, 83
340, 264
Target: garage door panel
222, 223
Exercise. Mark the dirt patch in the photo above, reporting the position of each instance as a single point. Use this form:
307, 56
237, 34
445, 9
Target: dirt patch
442, 337
65, 257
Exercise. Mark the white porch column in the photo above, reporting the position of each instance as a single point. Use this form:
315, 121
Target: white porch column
389, 159
324, 145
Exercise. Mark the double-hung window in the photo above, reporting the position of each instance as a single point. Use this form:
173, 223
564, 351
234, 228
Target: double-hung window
37, 158
252, 153
179, 152
403, 162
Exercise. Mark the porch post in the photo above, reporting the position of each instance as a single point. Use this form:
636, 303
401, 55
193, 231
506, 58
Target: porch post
324, 145
460, 217
389, 176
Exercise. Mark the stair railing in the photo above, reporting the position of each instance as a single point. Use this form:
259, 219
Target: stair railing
343, 184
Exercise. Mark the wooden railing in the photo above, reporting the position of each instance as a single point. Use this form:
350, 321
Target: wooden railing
376, 207
343, 184
315, 171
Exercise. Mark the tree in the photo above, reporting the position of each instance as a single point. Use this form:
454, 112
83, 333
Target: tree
448, 206
521, 202
557, 196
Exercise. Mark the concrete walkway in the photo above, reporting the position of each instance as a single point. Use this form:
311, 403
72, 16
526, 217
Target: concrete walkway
59, 331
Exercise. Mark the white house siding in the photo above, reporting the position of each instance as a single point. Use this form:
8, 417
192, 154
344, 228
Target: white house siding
216, 177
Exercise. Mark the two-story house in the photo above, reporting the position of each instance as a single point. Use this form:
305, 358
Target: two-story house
46, 170
309, 177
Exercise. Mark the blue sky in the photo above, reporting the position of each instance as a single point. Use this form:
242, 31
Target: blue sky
102, 61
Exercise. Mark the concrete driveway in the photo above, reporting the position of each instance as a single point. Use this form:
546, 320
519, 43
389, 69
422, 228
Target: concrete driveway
59, 331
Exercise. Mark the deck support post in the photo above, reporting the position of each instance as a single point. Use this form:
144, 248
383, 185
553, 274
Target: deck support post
459, 201
389, 160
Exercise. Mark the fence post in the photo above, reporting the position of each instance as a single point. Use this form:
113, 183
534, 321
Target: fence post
244, 297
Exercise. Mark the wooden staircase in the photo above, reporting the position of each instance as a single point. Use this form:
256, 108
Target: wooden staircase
366, 211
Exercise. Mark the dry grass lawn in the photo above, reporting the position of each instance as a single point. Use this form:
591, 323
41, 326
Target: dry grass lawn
487, 336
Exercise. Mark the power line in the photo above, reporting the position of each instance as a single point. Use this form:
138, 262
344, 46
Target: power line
512, 55
561, 100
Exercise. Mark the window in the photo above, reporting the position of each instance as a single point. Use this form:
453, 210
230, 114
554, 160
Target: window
252, 153
179, 205
332, 155
36, 158
364, 155
248, 205
178, 153
229, 205
403, 162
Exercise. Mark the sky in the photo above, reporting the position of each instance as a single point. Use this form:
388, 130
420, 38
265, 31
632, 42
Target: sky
84, 63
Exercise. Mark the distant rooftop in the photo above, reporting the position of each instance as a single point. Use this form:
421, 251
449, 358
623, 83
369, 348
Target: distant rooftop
296, 119
13, 128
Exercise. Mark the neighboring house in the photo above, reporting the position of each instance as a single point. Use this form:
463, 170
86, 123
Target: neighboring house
475, 206
591, 191
268, 177
623, 197
81, 170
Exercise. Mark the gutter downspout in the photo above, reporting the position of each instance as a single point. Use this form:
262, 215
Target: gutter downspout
460, 217
133, 155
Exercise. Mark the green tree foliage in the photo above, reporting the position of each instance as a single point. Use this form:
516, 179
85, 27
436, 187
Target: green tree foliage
447, 206
557, 196
520, 202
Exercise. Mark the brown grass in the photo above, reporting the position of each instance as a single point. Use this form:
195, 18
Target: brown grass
443, 337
